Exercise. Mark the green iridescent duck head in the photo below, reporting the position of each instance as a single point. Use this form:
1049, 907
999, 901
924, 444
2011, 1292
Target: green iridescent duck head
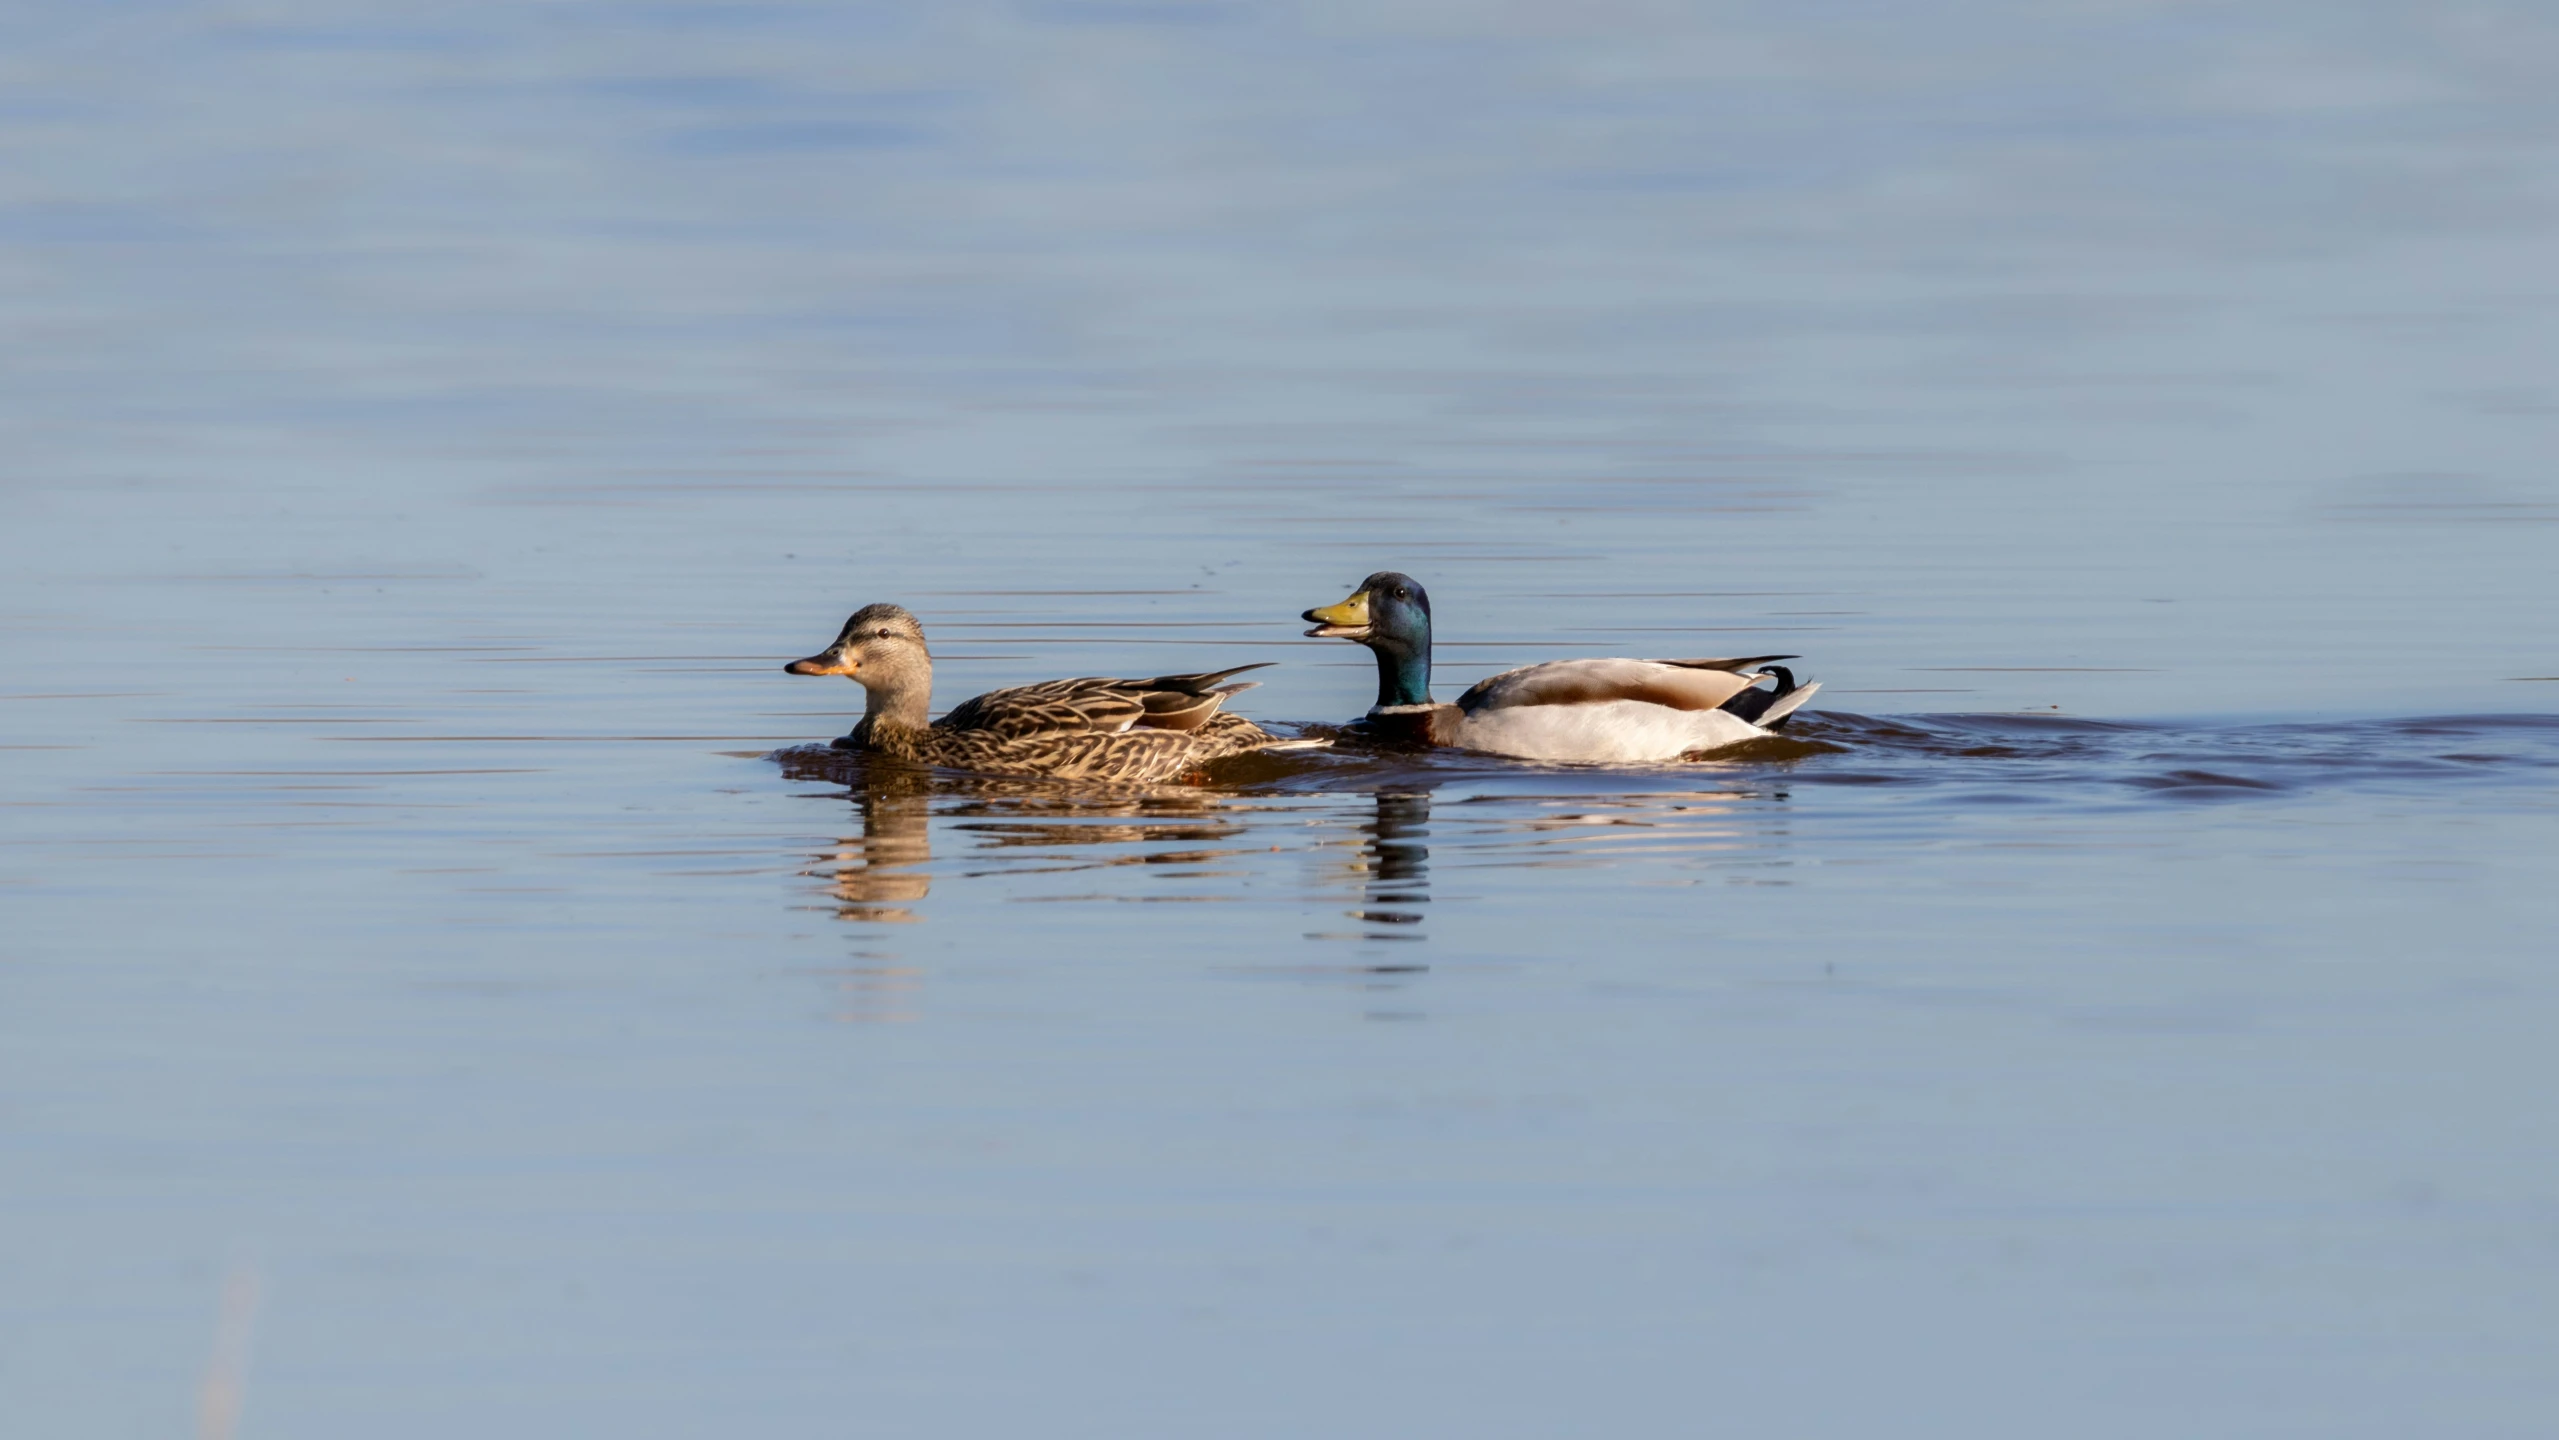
1390, 613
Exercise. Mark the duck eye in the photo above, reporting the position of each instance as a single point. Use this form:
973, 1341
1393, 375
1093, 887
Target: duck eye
1403, 594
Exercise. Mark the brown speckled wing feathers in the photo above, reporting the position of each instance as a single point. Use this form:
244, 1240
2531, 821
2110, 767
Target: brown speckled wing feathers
1095, 703
1092, 728
1052, 706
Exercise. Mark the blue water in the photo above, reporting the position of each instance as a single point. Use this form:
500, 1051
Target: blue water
446, 987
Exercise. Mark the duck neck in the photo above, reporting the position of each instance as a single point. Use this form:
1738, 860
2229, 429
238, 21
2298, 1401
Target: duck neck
1404, 673
900, 701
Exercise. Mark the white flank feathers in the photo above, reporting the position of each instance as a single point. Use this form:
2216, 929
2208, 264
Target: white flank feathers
1610, 731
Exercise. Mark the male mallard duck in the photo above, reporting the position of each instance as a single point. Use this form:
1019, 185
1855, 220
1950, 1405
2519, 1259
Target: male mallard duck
1588, 711
1140, 731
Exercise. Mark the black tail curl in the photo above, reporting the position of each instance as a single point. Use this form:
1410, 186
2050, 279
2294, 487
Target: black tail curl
1754, 702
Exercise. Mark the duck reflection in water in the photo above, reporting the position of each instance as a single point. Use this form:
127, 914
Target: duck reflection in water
1397, 862
1006, 827
879, 873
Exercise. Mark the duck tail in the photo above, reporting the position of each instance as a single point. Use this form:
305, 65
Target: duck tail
1769, 709
1199, 684
1786, 706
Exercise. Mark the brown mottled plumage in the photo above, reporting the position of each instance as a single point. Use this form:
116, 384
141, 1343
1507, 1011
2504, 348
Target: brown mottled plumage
1090, 728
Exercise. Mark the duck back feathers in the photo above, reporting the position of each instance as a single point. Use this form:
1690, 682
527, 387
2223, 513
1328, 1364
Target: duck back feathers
1671, 684
1099, 704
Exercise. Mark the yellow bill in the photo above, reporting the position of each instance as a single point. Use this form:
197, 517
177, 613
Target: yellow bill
1346, 621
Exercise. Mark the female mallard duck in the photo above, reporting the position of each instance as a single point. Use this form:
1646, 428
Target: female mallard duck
1139, 731
1583, 711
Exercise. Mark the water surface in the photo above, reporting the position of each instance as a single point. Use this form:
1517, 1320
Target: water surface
447, 987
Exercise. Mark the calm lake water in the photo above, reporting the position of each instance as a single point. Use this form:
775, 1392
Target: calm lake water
445, 989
